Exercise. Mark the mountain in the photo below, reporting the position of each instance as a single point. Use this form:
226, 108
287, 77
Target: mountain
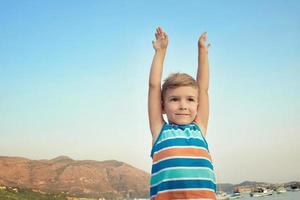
251, 184
109, 179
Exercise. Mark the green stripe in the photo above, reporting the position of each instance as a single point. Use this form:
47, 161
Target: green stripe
174, 133
183, 173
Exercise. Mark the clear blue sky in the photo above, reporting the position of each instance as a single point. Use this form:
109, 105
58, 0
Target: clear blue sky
73, 80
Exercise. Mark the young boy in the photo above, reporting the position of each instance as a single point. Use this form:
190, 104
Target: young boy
182, 166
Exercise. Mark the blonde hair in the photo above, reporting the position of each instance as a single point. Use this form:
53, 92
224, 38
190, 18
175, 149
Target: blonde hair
176, 80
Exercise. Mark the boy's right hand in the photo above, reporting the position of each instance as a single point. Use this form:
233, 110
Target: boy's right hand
161, 41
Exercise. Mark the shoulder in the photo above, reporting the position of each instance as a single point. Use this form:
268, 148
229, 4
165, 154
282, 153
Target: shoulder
160, 129
201, 127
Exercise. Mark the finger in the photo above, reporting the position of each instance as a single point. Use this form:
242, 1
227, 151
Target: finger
159, 33
157, 30
160, 30
203, 35
166, 35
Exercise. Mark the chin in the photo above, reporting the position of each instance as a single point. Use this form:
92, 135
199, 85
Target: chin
182, 122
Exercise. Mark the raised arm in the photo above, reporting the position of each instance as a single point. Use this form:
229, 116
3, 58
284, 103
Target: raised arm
154, 95
203, 83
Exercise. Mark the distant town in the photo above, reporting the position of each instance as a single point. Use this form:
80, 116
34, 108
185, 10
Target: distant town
254, 189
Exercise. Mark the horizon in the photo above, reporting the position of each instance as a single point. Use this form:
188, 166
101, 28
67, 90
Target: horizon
74, 80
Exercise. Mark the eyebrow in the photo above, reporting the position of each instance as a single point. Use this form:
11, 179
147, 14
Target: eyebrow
190, 96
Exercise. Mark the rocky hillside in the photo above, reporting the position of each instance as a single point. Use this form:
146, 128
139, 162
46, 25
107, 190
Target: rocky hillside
63, 174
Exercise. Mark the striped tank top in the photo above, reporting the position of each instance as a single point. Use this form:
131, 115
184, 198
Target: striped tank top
181, 164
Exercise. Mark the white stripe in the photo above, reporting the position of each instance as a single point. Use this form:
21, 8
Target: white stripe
180, 130
191, 147
171, 157
173, 190
173, 168
178, 179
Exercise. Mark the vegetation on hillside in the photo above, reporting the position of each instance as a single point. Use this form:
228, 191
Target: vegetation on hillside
27, 194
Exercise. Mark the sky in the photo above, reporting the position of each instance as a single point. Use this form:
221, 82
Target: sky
74, 80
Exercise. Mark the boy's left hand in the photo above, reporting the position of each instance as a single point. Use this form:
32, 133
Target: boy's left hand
161, 42
201, 42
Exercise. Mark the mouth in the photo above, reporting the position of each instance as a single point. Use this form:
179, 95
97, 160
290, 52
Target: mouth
182, 114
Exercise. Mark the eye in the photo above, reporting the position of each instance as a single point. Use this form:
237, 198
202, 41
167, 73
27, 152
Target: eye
174, 99
191, 99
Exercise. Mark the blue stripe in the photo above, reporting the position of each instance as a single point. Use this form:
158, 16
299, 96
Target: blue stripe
182, 184
181, 162
179, 142
182, 127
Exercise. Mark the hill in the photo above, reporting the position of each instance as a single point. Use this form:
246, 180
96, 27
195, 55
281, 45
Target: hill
109, 179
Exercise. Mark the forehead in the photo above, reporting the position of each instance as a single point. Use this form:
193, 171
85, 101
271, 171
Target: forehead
182, 91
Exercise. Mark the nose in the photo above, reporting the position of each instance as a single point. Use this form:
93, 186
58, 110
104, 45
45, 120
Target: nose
183, 105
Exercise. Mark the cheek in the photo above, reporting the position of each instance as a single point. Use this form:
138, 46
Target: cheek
171, 107
195, 107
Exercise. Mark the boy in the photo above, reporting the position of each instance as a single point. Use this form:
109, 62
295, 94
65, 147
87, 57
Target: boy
182, 166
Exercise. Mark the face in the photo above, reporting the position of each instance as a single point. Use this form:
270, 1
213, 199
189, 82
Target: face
180, 105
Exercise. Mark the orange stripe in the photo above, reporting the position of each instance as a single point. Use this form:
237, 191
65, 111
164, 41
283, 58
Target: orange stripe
181, 152
186, 194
